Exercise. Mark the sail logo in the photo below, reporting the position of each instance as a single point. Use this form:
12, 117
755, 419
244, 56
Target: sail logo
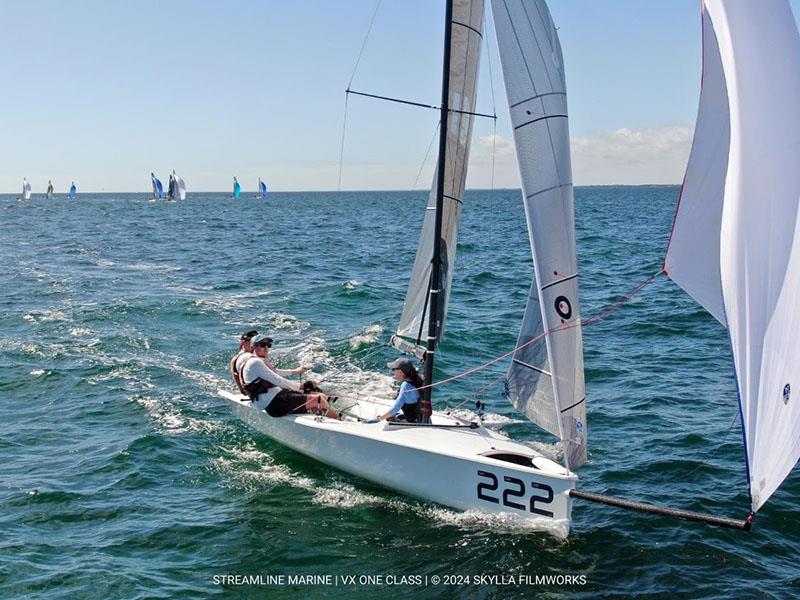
563, 307
786, 390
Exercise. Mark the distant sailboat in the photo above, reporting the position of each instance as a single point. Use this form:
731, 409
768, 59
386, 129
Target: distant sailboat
158, 189
262, 189
49, 193
179, 191
73, 190
26, 189
237, 189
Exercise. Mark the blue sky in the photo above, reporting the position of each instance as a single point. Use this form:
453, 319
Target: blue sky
103, 92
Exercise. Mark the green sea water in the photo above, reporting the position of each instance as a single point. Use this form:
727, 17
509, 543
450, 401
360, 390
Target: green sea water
123, 475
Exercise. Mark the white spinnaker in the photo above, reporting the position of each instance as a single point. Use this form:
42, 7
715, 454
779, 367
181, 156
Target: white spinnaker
759, 235
465, 44
180, 188
692, 259
545, 380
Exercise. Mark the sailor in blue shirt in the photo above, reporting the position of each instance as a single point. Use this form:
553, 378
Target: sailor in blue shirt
408, 398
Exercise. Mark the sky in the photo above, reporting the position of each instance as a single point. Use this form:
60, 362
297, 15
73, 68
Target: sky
104, 92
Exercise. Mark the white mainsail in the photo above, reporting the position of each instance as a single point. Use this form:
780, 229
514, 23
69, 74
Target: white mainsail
26, 189
412, 331
545, 380
735, 246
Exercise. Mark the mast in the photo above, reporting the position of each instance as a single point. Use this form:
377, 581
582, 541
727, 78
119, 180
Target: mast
436, 262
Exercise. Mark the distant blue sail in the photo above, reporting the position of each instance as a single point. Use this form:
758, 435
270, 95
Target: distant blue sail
72, 191
262, 188
158, 189
237, 189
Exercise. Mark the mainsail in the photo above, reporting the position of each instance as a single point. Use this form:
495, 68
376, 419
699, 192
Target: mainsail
465, 43
735, 245
262, 189
237, 189
545, 380
72, 190
26, 189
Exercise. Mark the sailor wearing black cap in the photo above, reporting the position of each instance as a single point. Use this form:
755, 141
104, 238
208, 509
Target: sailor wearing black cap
275, 394
408, 398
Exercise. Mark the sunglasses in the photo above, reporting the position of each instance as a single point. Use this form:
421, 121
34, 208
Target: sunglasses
264, 345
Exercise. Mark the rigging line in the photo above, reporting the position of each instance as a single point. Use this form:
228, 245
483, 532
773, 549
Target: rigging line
425, 160
341, 148
583, 323
716, 450
420, 104
364, 43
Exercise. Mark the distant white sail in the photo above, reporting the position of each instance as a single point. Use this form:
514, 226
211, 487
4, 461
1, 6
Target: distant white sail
26, 189
735, 246
180, 187
465, 47
545, 380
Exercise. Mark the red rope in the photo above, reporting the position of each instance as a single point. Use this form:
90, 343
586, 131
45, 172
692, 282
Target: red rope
603, 314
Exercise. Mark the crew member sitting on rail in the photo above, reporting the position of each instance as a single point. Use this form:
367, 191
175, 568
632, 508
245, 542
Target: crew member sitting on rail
278, 396
408, 398
238, 361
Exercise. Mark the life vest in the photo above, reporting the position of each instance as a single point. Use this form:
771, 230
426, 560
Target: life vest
258, 385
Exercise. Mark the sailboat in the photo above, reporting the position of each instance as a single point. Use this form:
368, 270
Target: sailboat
158, 189
740, 261
179, 190
262, 190
26, 189
49, 193
73, 191
237, 189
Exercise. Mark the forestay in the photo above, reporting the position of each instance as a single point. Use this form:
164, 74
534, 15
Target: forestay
743, 181
465, 53
545, 380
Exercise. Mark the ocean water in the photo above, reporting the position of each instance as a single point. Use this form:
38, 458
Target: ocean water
124, 476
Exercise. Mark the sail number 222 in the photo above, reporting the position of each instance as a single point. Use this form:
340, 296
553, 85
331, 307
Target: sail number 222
514, 489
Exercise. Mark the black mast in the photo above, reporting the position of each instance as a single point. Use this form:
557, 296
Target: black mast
436, 262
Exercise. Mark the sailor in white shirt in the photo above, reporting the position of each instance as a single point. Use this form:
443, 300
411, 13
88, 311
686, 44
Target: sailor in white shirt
270, 391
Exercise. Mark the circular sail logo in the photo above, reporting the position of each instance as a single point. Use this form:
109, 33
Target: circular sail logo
786, 390
563, 307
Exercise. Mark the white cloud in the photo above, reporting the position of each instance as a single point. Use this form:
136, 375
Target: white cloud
632, 156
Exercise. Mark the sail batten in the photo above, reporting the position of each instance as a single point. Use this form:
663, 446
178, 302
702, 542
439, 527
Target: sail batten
735, 245
467, 19
545, 380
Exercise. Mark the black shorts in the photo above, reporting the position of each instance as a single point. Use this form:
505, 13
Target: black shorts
287, 402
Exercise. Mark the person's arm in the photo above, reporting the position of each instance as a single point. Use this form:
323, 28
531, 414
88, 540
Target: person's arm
296, 371
398, 403
268, 374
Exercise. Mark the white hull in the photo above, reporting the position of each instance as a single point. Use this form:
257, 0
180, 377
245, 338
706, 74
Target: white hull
449, 466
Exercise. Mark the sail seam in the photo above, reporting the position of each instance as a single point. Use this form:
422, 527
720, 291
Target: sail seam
524, 364
540, 119
550, 189
470, 27
537, 96
461, 202
544, 287
581, 401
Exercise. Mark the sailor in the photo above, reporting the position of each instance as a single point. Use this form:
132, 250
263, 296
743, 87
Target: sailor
408, 398
240, 358
272, 392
